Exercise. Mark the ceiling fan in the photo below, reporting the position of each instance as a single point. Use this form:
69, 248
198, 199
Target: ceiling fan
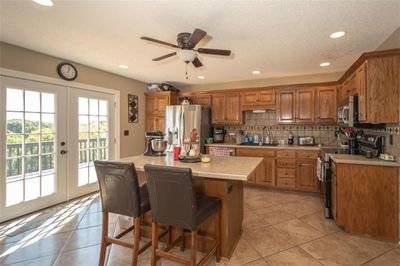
186, 43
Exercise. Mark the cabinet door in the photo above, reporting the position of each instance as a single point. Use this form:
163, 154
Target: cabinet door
326, 104
249, 97
218, 108
362, 92
305, 106
268, 178
285, 112
162, 102
151, 105
202, 100
233, 112
306, 178
150, 123
267, 97
160, 123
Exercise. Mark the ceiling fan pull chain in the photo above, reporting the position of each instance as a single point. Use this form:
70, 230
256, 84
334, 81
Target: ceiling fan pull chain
186, 70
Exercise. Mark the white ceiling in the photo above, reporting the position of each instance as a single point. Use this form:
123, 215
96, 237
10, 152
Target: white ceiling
280, 38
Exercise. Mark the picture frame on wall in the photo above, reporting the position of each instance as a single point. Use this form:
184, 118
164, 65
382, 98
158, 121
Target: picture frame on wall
133, 108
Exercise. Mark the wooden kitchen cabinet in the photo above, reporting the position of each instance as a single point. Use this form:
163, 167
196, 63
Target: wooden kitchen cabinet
286, 106
225, 108
258, 99
196, 98
156, 102
304, 105
296, 106
267, 176
326, 105
306, 178
361, 86
367, 200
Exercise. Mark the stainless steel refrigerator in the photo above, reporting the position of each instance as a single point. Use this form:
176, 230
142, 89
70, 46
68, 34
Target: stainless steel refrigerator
187, 126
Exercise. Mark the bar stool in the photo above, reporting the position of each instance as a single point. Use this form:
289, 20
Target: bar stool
174, 202
121, 194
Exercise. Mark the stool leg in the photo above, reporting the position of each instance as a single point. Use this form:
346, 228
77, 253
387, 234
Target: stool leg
154, 241
194, 248
136, 241
104, 235
183, 245
218, 236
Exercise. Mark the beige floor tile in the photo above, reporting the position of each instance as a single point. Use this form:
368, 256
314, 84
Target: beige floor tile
314, 202
298, 209
34, 248
293, 256
343, 249
275, 215
95, 219
84, 238
42, 261
388, 259
83, 256
252, 220
322, 224
259, 262
244, 253
260, 203
297, 231
267, 240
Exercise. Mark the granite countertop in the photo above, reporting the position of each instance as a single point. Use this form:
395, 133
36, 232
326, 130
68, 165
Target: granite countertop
285, 146
229, 168
360, 159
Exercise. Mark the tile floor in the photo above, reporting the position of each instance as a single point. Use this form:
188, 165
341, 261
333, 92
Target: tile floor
279, 228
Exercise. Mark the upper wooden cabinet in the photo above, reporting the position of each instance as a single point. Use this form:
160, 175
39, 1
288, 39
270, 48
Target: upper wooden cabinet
197, 98
156, 102
286, 106
296, 106
361, 87
255, 99
304, 105
225, 108
326, 105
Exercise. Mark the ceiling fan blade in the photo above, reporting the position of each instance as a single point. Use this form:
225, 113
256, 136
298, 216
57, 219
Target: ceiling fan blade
196, 62
164, 56
158, 41
196, 36
214, 51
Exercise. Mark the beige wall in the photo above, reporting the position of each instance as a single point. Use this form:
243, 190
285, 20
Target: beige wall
20, 59
265, 82
393, 41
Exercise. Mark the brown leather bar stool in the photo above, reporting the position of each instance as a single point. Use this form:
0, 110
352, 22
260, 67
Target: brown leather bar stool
121, 194
174, 202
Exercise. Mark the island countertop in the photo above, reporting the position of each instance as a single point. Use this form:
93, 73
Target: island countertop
229, 168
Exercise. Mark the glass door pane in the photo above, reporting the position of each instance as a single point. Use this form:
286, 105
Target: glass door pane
32, 174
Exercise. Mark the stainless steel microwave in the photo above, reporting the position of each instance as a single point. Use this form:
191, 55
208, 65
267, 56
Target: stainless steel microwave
348, 112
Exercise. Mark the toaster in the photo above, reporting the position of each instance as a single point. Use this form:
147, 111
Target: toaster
306, 141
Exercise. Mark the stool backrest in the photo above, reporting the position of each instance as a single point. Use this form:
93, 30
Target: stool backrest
172, 195
119, 187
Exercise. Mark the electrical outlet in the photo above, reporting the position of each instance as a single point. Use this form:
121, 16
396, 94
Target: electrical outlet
391, 139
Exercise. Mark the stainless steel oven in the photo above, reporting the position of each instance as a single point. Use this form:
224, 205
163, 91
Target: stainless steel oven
348, 112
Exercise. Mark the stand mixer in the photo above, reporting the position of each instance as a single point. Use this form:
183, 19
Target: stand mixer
156, 145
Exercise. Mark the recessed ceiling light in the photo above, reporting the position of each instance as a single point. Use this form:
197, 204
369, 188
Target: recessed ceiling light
325, 64
123, 66
44, 2
201, 77
256, 72
337, 34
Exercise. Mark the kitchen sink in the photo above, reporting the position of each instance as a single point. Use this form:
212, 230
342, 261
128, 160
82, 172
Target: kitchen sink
256, 144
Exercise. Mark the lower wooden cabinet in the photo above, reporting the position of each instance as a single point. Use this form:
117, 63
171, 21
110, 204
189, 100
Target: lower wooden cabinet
366, 200
306, 175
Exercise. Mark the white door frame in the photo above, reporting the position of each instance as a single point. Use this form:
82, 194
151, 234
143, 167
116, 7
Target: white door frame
34, 77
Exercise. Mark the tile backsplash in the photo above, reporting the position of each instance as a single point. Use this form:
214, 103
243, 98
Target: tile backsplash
324, 134
254, 123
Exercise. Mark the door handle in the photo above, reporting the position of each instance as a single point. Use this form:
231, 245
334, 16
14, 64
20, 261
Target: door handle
62, 152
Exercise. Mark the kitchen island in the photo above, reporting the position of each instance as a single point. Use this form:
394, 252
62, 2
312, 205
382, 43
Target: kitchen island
223, 178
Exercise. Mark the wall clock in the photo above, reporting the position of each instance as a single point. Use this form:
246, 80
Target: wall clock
67, 71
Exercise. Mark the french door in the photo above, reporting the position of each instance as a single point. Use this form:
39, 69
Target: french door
50, 136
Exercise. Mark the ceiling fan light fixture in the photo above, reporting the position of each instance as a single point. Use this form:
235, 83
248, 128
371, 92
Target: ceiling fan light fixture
186, 55
44, 2
337, 34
